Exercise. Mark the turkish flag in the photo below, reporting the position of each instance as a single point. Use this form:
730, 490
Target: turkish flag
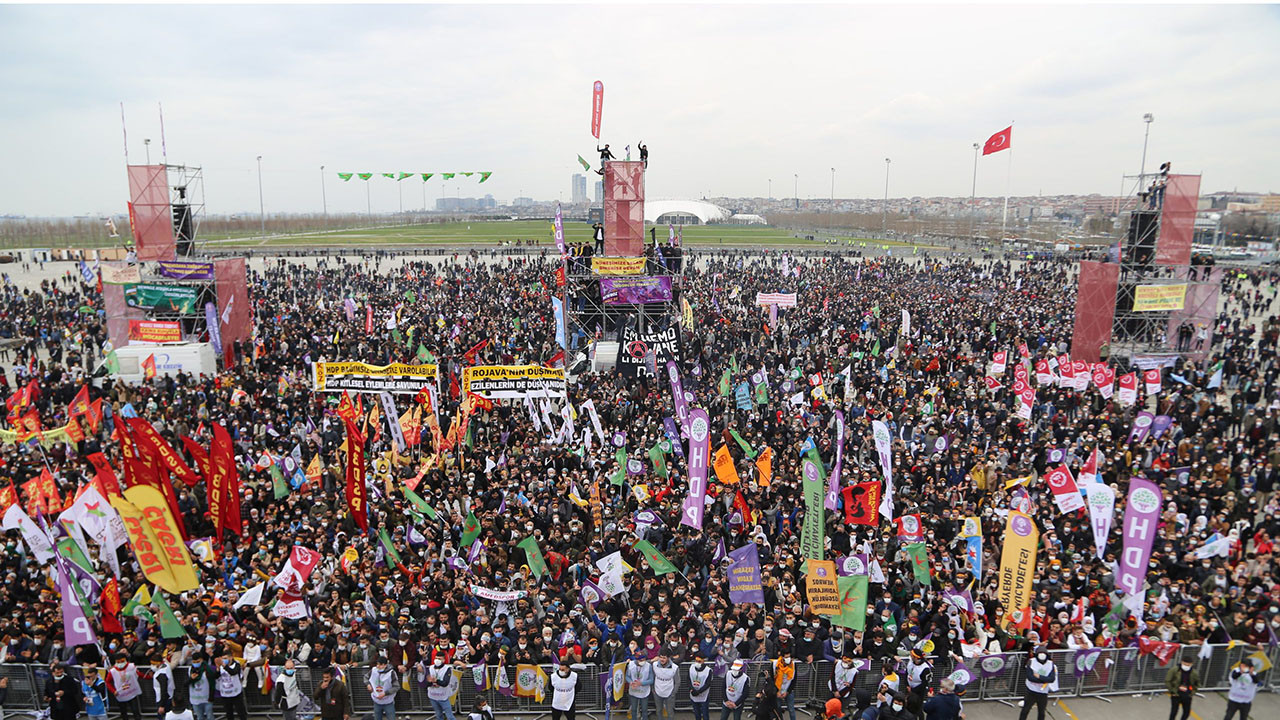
999, 141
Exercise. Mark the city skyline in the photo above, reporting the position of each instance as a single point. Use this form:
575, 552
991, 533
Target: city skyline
721, 118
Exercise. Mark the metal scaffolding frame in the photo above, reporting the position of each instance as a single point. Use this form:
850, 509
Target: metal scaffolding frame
588, 314
186, 187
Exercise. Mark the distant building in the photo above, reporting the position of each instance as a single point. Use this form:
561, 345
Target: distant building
1271, 204
579, 194
599, 191
456, 204
522, 202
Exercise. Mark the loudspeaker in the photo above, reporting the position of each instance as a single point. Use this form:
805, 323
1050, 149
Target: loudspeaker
182, 230
1141, 246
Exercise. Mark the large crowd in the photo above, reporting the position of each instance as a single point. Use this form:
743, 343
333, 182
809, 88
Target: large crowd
378, 618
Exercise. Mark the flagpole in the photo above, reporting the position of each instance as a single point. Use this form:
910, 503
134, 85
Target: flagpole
1008, 183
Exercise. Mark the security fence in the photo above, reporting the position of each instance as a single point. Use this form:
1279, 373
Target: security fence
1095, 672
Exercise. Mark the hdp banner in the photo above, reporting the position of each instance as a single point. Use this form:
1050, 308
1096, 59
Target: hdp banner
821, 587
617, 265
812, 532
1141, 515
1102, 510
744, 575
677, 395
154, 536
853, 602
699, 454
155, 331
358, 377
1017, 563
884, 449
860, 502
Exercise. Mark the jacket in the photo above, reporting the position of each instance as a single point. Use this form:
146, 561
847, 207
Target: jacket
1174, 678
334, 701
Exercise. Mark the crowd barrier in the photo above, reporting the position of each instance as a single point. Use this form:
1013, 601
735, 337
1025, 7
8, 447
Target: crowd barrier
1113, 672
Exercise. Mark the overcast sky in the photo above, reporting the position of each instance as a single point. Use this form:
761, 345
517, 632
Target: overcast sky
726, 97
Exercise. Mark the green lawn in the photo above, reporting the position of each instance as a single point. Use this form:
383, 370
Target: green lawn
493, 232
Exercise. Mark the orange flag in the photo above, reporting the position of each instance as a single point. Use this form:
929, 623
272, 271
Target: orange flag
724, 468
764, 464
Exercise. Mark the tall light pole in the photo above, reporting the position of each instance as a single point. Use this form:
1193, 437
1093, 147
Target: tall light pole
146, 142
797, 191
770, 188
1147, 118
324, 199
884, 210
973, 193
262, 212
832, 209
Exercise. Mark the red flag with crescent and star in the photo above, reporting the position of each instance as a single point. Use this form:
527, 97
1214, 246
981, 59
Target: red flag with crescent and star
999, 141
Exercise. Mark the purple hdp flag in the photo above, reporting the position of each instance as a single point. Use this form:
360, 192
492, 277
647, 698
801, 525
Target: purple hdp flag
75, 626
720, 553
1141, 427
1141, 515
744, 575
1085, 660
474, 554
591, 593
831, 501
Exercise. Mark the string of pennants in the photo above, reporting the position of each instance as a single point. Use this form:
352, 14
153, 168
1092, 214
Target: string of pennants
401, 176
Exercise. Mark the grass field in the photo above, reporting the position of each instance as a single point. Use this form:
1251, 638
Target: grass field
494, 232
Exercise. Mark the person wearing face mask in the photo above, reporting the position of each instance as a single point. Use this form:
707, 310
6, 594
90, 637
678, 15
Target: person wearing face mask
441, 683
700, 687
639, 683
666, 681
230, 686
200, 684
123, 676
286, 694
736, 685
1244, 687
564, 691
161, 684
1042, 679
784, 677
62, 695
842, 677
382, 684
1182, 681
94, 691
481, 710
919, 678
333, 697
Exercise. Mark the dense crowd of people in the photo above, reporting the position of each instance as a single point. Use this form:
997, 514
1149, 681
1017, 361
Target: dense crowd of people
960, 449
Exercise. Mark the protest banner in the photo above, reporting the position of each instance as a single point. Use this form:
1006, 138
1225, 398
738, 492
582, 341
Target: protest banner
503, 382
358, 377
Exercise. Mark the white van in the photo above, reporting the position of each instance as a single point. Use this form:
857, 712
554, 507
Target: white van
194, 359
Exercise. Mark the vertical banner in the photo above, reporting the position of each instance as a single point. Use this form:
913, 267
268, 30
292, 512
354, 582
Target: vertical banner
357, 492
211, 321
744, 575
919, 562
1141, 515
821, 587
699, 458
1102, 509
677, 395
562, 331
884, 448
222, 463
1017, 564
833, 481
393, 422
558, 226
597, 105
811, 532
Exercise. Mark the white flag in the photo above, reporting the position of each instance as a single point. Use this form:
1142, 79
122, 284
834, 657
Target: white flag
250, 598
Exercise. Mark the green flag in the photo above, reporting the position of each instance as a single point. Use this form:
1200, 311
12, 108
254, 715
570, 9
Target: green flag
395, 335
411, 296
421, 505
919, 562
138, 605
403, 176
812, 454
447, 176
875, 349
423, 353
70, 550
659, 462
467, 174
620, 457
617, 477
585, 165
113, 362
485, 176
733, 363
387, 544
426, 176
746, 446
531, 552
659, 564
724, 383
762, 393
470, 530
279, 488
853, 602
169, 625
345, 176
813, 530
389, 175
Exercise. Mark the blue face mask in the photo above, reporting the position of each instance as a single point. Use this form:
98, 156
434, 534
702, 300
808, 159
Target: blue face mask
289, 672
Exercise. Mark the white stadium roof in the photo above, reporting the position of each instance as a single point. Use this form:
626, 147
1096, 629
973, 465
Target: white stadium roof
704, 211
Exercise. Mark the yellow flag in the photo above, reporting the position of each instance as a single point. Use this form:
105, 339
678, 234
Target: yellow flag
1017, 563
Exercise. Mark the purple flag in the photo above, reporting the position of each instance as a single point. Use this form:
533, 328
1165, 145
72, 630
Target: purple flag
349, 307
559, 231
1055, 456
1085, 660
961, 675
855, 564
1141, 427
211, 322
75, 627
1141, 515
474, 554
962, 600
720, 553
648, 517
677, 395
673, 434
744, 575
699, 460
1160, 425
993, 665
833, 480
591, 593
619, 439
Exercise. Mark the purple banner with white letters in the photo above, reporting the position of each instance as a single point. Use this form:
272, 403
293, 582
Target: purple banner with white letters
1141, 517
677, 395
1141, 427
699, 460
744, 575
641, 289
183, 270
833, 480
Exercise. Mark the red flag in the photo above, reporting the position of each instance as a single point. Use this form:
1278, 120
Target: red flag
933, 365
999, 141
992, 383
149, 367
224, 501
557, 360
909, 528
357, 492
1020, 618
110, 604
150, 442
200, 454
470, 355
860, 503
94, 414
8, 497
560, 281
106, 474
80, 404
368, 319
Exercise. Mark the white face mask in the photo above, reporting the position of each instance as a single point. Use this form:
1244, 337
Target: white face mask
438, 662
